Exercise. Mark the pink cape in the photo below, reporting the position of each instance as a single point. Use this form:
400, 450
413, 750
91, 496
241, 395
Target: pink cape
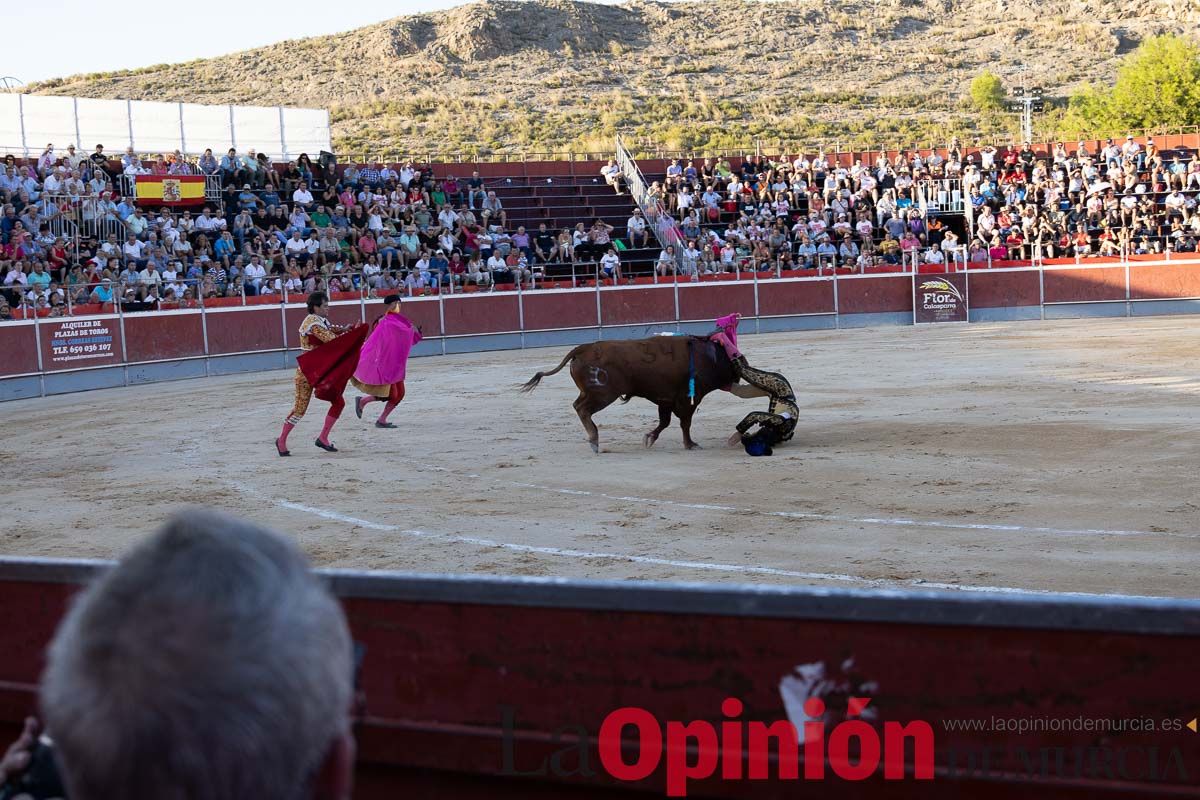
727, 336
384, 355
729, 324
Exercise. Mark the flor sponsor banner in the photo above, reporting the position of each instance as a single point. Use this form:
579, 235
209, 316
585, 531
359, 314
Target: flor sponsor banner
170, 190
940, 298
94, 342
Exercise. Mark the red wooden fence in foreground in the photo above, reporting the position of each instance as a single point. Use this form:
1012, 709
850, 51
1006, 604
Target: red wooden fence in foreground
471, 680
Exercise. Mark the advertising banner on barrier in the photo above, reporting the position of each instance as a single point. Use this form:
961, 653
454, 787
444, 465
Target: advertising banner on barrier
75, 343
940, 298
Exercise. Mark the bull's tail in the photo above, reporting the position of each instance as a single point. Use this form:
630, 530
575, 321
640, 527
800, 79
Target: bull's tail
532, 383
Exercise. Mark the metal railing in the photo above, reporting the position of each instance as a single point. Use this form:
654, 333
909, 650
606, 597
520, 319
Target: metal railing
666, 231
204, 290
83, 216
212, 186
652, 210
940, 195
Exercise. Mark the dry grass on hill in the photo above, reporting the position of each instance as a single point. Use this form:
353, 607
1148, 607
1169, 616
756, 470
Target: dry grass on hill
557, 75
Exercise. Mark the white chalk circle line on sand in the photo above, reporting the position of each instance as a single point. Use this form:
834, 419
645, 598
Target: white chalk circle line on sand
805, 515
743, 569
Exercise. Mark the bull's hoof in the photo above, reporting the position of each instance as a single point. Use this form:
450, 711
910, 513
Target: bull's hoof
693, 446
649, 439
595, 447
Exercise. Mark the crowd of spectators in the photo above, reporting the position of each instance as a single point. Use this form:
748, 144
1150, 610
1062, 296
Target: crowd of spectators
772, 215
377, 230
1127, 198
784, 214
273, 231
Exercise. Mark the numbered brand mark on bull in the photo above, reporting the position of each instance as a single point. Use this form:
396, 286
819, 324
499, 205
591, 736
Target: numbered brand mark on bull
597, 376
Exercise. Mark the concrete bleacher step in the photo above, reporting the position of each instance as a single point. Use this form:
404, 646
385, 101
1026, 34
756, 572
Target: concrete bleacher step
564, 202
605, 194
622, 209
531, 213
556, 191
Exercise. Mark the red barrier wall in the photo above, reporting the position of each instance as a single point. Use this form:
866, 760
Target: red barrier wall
875, 295
797, 297
1003, 289
259, 328
422, 312
482, 313
244, 331
292, 319
1155, 282
18, 349
439, 672
1079, 285
560, 310
638, 306
348, 314
150, 337
707, 301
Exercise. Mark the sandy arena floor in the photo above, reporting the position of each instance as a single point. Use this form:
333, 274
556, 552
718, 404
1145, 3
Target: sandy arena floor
1056, 456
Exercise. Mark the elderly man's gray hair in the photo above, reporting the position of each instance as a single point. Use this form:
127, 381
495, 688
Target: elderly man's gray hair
210, 664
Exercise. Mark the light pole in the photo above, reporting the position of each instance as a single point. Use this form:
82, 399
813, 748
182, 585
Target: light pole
1025, 102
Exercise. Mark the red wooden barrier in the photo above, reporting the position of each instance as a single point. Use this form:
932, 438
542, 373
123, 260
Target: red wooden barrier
18, 348
245, 330
874, 294
346, 314
470, 679
422, 311
638, 306
560, 310
260, 328
700, 302
150, 337
482, 313
1159, 282
796, 297
293, 317
1004, 289
349, 314
1087, 284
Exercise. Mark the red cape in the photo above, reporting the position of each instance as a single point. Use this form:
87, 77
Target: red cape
328, 366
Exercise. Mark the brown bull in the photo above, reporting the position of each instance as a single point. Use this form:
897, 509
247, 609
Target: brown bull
658, 368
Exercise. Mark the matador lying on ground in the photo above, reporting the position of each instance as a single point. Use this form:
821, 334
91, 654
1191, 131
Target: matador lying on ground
778, 422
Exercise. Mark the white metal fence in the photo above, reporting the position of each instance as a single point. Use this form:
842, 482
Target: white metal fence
29, 122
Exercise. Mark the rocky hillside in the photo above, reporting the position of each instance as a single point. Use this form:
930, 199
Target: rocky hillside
553, 75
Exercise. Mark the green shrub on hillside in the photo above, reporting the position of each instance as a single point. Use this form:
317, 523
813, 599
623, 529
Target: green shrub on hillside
987, 92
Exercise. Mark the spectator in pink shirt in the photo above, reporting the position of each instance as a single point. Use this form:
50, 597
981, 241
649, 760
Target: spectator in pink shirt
521, 241
453, 191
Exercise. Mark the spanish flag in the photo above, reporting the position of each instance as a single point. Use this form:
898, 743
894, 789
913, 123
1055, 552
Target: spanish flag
170, 190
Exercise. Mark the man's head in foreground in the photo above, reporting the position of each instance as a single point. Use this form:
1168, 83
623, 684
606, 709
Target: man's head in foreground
209, 663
